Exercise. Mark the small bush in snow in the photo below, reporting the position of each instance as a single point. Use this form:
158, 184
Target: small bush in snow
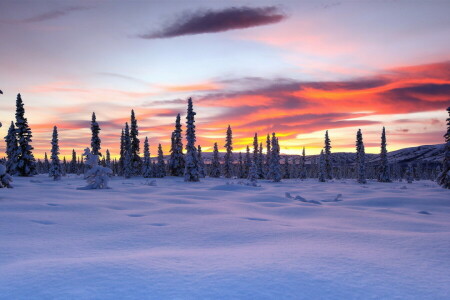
5, 178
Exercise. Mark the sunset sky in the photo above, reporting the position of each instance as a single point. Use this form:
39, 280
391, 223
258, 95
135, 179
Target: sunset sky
294, 67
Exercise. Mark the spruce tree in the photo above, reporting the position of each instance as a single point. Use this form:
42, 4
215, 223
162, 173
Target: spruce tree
215, 163
328, 165
268, 159
248, 161
11, 150
201, 163
26, 164
46, 163
256, 152
253, 174
275, 170
228, 161
303, 174
108, 159
128, 158
122, 152
55, 166
135, 144
191, 172
260, 166
73, 163
161, 172
147, 163
383, 171
95, 140
322, 167
176, 161
443, 178
409, 173
241, 169
360, 158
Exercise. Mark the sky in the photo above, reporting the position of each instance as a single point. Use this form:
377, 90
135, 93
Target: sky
296, 68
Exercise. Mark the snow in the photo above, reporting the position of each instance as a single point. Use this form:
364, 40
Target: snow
217, 239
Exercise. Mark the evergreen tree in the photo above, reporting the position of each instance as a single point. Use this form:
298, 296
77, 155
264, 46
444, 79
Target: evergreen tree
11, 150
228, 162
260, 166
26, 164
191, 172
248, 161
268, 159
253, 174
360, 158
122, 152
328, 165
135, 144
241, 169
108, 159
443, 178
256, 152
5, 178
147, 163
73, 163
303, 174
215, 163
322, 167
128, 158
95, 140
383, 172
46, 163
161, 171
55, 166
201, 163
64, 167
275, 170
176, 161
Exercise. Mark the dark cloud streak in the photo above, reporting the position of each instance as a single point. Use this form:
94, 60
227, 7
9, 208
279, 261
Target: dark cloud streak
212, 21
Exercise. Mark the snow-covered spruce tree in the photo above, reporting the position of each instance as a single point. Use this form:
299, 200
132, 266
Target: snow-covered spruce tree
5, 178
228, 159
191, 172
95, 140
161, 166
11, 150
176, 161
240, 171
322, 167
275, 169
135, 145
46, 163
267, 162
383, 169
247, 162
122, 152
443, 178
26, 164
147, 163
409, 173
260, 166
253, 175
201, 163
73, 163
97, 177
55, 165
128, 158
215, 163
108, 159
64, 167
303, 173
256, 151
360, 158
328, 165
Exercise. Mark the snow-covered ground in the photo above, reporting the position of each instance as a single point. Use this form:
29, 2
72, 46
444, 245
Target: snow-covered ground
210, 240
